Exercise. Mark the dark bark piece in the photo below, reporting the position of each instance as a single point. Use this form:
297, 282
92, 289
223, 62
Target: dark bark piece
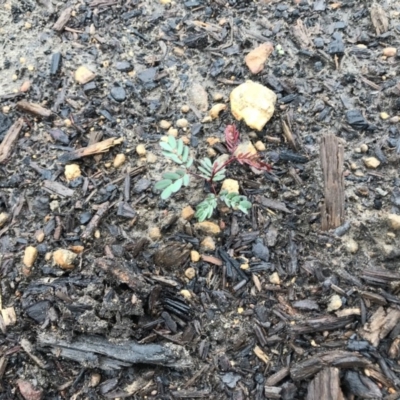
379, 18
123, 275
173, 255
340, 359
277, 377
7, 145
325, 385
274, 205
34, 109
361, 386
94, 222
63, 19
328, 323
379, 325
332, 154
58, 188
123, 354
272, 392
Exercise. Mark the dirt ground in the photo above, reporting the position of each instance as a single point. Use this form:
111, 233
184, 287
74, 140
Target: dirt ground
275, 307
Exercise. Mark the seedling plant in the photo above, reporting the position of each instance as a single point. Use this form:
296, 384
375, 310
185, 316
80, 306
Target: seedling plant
211, 171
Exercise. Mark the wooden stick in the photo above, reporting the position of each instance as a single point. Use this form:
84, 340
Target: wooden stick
332, 154
11, 137
63, 19
97, 148
35, 109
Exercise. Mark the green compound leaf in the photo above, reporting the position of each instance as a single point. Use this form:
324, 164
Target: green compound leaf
172, 142
160, 185
171, 175
189, 163
185, 154
219, 177
166, 146
180, 172
206, 164
205, 209
173, 157
175, 187
179, 148
186, 180
207, 174
166, 193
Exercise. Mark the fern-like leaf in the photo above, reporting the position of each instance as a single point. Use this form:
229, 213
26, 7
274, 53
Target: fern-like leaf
232, 138
253, 160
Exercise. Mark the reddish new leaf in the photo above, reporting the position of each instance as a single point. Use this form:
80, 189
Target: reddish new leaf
254, 161
232, 138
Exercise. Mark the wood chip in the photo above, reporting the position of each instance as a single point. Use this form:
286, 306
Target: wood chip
379, 325
332, 155
58, 188
35, 109
63, 19
100, 147
325, 385
261, 355
7, 145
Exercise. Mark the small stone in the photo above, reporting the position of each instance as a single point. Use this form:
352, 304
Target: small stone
216, 109
123, 66
141, 150
364, 148
208, 244
394, 221
218, 96
394, 120
186, 294
119, 160
39, 236
274, 279
84, 75
30, 256
164, 2
155, 233
95, 379
118, 94
334, 303
256, 59
240, 310
260, 146
352, 246
208, 228
230, 185
254, 103
246, 148
389, 51
9, 318
72, 171
97, 234
3, 218
182, 123
64, 258
371, 162
353, 166
195, 256
187, 213
25, 86
384, 115
163, 124
185, 109
211, 152
141, 185
212, 141
173, 132
190, 273
151, 158
28, 25
54, 205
